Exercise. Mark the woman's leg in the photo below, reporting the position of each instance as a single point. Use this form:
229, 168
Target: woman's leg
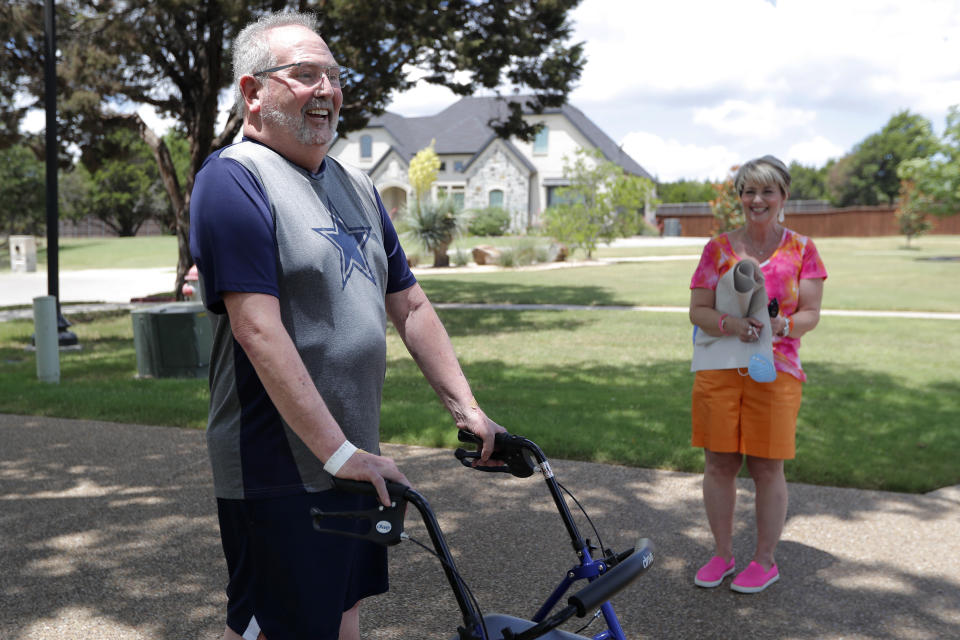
720, 497
771, 506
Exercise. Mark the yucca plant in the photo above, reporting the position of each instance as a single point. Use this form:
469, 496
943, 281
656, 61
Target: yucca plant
435, 225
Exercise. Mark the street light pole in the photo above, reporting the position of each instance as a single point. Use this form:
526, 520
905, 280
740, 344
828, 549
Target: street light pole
66, 337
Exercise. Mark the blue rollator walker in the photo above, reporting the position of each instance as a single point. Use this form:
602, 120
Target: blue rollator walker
522, 458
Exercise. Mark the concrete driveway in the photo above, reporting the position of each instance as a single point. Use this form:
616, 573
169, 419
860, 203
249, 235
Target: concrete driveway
108, 531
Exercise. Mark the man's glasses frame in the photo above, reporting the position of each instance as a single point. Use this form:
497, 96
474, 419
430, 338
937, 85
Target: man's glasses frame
334, 74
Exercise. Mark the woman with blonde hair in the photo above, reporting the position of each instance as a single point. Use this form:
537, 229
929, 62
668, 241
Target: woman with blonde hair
734, 417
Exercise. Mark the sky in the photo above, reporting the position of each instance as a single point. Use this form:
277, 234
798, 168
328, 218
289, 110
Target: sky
690, 88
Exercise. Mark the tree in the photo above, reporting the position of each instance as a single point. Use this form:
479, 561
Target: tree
808, 183
602, 202
435, 224
868, 174
725, 205
22, 192
171, 55
685, 191
911, 219
423, 171
179, 146
123, 185
933, 184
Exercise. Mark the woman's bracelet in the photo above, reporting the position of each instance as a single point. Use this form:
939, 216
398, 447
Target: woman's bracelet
339, 457
720, 324
788, 327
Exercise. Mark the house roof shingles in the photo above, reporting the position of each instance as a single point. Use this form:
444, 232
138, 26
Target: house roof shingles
462, 128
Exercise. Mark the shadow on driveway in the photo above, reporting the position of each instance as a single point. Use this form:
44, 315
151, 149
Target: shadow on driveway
109, 531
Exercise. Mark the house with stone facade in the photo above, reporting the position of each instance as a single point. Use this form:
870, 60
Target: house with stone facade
478, 168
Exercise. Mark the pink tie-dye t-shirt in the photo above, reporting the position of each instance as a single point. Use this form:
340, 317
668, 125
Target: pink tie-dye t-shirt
794, 259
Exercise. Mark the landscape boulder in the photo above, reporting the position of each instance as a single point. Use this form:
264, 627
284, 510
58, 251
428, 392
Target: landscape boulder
486, 254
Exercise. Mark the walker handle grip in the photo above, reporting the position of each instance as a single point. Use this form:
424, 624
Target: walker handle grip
604, 587
507, 448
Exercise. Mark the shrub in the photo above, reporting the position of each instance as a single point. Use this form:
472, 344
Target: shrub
461, 258
912, 221
526, 252
434, 225
492, 221
727, 212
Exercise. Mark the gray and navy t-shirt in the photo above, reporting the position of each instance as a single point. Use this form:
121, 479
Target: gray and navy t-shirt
323, 244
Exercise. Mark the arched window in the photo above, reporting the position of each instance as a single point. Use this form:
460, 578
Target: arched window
366, 146
496, 198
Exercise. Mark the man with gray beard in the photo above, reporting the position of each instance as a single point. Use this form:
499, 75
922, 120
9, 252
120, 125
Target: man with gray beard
300, 267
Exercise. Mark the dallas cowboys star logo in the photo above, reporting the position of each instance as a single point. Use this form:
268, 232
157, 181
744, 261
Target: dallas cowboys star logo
349, 242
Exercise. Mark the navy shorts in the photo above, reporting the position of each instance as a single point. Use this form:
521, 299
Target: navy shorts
287, 579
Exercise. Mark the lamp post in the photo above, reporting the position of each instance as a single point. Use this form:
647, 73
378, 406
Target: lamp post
66, 337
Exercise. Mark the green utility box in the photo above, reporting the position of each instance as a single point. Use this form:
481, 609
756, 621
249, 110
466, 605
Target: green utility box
172, 340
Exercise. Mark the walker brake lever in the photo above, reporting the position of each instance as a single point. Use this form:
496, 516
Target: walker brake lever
465, 458
384, 524
508, 449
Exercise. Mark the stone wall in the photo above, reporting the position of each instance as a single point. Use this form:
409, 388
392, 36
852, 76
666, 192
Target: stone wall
496, 171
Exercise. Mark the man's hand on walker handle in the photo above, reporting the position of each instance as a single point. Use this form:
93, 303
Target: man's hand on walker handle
374, 469
476, 422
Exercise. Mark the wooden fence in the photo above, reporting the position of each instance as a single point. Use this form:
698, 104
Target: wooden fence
692, 219
809, 218
94, 228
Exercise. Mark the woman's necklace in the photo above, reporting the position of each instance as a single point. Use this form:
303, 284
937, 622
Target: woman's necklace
762, 251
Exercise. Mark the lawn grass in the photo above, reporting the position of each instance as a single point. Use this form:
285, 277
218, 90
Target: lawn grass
864, 274
97, 383
105, 253
880, 409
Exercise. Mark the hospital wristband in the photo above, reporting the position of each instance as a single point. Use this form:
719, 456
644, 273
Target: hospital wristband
339, 457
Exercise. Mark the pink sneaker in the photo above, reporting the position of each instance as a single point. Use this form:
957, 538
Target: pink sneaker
754, 579
713, 573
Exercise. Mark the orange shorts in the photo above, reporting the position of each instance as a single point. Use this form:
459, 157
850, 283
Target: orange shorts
733, 413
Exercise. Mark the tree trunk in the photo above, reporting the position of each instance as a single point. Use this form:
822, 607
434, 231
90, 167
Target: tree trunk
171, 184
440, 257
180, 197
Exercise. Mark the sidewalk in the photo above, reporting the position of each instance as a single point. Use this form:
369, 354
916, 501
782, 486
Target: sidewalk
88, 285
120, 285
114, 288
108, 532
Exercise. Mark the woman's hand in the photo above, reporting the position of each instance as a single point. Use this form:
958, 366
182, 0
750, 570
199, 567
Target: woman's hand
777, 324
747, 329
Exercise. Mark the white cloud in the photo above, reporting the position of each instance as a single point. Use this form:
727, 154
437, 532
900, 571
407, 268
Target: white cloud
752, 119
694, 86
671, 160
663, 46
814, 152
423, 100
817, 75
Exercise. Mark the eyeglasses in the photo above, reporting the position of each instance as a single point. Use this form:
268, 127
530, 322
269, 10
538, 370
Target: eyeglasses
309, 74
